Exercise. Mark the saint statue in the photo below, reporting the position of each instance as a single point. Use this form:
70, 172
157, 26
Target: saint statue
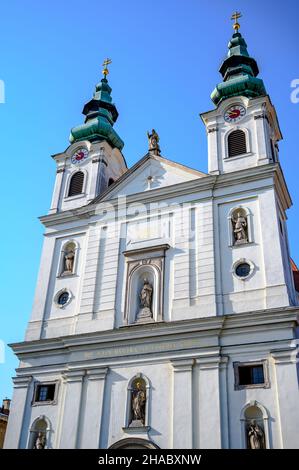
69, 257
146, 295
138, 404
40, 442
153, 140
255, 436
145, 310
240, 228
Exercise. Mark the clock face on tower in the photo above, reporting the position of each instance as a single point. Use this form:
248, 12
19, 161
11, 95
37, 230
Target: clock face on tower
80, 155
234, 113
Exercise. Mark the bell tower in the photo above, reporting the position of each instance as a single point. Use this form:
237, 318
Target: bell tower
94, 160
243, 131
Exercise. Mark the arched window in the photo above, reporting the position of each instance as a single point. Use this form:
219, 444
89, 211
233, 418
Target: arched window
254, 426
39, 437
137, 414
111, 181
76, 184
237, 143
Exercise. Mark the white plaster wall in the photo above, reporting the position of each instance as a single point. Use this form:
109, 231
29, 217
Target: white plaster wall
160, 412
267, 285
162, 175
267, 397
198, 265
54, 316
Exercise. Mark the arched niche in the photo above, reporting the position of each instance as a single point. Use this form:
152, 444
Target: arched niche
141, 276
40, 429
239, 218
138, 385
145, 279
255, 414
68, 258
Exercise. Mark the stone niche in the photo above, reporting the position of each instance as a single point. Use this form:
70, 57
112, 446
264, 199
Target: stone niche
145, 285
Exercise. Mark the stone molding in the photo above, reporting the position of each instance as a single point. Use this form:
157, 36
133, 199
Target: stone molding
285, 356
184, 365
22, 381
97, 374
74, 376
203, 184
208, 327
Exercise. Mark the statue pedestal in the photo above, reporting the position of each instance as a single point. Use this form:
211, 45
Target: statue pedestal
144, 316
240, 242
136, 423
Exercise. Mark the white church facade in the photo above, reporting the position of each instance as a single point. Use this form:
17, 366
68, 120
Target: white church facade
165, 313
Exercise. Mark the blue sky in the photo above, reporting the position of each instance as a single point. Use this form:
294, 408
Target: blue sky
166, 55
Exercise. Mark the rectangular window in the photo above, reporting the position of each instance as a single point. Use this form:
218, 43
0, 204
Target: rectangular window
44, 393
248, 375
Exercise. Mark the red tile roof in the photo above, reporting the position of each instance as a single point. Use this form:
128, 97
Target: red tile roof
295, 274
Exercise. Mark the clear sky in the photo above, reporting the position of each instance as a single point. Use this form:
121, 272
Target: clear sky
166, 55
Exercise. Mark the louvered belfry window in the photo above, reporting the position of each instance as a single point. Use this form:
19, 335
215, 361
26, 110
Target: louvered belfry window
237, 143
76, 184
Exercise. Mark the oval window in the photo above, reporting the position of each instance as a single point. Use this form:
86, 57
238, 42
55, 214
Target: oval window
63, 298
243, 270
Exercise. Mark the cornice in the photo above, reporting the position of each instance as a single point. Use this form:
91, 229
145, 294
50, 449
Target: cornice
135, 335
202, 185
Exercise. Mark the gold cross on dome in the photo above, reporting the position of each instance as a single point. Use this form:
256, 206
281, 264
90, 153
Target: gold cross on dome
105, 65
235, 17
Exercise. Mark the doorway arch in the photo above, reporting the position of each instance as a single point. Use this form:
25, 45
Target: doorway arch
134, 443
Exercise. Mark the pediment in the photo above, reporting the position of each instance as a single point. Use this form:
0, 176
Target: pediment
151, 172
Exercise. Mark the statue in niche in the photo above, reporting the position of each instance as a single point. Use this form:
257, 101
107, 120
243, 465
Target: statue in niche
255, 436
138, 399
146, 295
40, 442
240, 228
69, 258
153, 140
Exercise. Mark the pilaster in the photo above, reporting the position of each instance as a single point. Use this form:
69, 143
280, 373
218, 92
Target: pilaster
285, 366
71, 409
93, 408
209, 402
182, 429
15, 437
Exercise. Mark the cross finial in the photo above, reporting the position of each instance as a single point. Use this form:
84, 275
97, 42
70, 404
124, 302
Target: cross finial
105, 65
235, 17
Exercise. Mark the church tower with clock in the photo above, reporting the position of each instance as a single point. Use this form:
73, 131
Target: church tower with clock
94, 159
166, 313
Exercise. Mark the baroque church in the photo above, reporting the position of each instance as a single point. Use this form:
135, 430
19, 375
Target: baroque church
165, 313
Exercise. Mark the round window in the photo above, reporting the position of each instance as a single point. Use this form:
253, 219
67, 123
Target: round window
243, 270
63, 298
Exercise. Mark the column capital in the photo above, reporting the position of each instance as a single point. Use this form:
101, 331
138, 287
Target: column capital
22, 381
74, 376
285, 356
97, 373
211, 362
184, 365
